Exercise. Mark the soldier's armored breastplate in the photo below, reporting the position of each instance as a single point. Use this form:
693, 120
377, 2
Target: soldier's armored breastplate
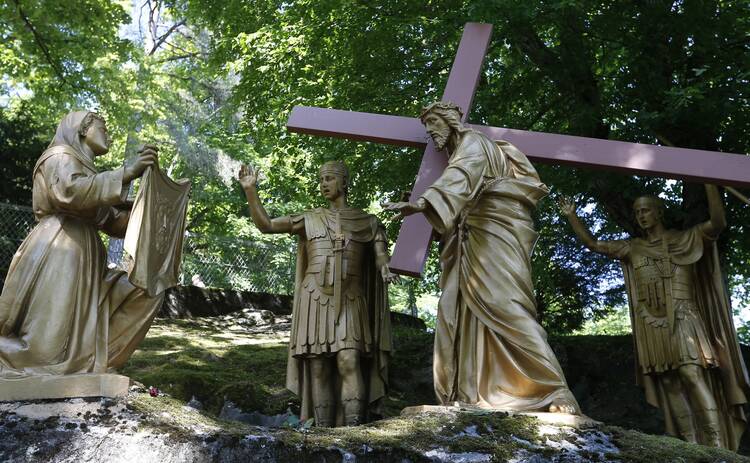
682, 282
656, 279
650, 286
321, 262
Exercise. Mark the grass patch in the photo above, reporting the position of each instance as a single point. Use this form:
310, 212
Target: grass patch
187, 358
185, 361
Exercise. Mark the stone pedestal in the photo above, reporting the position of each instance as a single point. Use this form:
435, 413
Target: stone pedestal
64, 387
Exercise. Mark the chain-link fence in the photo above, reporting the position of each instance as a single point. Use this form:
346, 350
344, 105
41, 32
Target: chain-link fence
206, 261
239, 264
15, 223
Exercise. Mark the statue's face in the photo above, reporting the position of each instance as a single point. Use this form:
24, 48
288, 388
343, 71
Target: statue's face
438, 129
647, 214
331, 186
97, 138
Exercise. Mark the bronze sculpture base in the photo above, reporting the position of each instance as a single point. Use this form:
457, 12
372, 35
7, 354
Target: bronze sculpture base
64, 387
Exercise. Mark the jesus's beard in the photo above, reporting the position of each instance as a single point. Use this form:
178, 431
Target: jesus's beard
440, 141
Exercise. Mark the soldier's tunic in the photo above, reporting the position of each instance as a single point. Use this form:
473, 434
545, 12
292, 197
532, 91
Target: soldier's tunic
666, 320
320, 326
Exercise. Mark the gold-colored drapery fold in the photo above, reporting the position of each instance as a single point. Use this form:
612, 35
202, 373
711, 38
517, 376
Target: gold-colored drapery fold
155, 232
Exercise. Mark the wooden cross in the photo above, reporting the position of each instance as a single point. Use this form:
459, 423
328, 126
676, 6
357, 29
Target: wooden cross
413, 241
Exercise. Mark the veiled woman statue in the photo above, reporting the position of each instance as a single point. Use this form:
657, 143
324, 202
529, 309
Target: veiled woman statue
62, 311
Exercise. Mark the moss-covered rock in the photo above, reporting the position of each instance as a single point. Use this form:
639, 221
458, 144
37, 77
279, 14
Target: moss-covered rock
637, 447
162, 429
220, 359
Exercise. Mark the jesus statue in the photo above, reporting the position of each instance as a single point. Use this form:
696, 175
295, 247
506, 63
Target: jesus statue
490, 350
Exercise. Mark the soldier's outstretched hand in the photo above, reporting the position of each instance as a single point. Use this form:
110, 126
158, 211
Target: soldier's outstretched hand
567, 206
388, 276
248, 176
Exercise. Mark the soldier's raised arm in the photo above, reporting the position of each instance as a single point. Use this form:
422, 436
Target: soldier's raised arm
248, 178
717, 221
568, 209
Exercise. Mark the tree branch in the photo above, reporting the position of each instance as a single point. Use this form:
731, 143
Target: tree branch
166, 35
178, 57
42, 46
177, 47
552, 103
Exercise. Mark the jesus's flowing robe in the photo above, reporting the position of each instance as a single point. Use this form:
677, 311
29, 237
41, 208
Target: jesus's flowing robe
490, 350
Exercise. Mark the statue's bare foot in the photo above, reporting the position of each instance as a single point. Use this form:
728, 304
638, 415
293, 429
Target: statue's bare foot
562, 406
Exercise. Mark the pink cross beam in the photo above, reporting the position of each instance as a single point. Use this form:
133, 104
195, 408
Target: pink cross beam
414, 238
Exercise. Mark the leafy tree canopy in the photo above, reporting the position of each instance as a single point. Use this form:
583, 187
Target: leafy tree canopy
215, 81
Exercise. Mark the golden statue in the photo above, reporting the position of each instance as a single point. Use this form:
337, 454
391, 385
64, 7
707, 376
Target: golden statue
490, 350
341, 334
687, 354
62, 311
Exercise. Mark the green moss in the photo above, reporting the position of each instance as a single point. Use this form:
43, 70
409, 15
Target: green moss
183, 361
418, 434
408, 437
497, 434
171, 414
636, 447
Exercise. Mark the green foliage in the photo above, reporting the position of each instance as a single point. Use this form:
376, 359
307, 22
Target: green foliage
21, 142
653, 72
743, 333
411, 293
60, 55
615, 323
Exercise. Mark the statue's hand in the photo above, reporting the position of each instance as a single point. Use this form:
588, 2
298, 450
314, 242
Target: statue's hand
147, 157
405, 208
248, 176
388, 276
567, 206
